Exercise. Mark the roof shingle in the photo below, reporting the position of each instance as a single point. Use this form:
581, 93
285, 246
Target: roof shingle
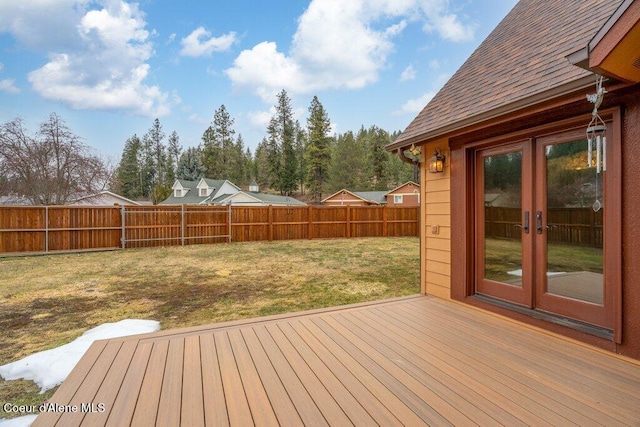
524, 56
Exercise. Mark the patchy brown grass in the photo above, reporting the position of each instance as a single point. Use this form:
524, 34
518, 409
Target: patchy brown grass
48, 301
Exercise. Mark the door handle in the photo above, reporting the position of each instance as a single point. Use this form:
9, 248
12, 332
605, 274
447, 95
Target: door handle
525, 224
539, 222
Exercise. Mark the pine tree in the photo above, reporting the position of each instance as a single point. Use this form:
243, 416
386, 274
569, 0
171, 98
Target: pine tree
300, 147
289, 166
273, 155
400, 172
348, 164
189, 166
220, 151
174, 149
237, 169
211, 153
129, 173
261, 164
249, 166
378, 156
156, 162
318, 149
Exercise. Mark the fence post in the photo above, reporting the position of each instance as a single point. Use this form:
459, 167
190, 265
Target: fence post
182, 225
229, 220
385, 231
123, 234
270, 212
46, 228
310, 224
348, 220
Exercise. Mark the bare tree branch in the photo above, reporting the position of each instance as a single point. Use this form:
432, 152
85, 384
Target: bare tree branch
52, 167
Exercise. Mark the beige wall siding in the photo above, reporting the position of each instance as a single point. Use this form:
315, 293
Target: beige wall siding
436, 212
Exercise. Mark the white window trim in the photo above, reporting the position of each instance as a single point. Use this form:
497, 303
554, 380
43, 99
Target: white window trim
398, 199
177, 192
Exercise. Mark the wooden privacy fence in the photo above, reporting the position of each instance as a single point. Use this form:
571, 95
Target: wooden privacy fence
81, 228
573, 226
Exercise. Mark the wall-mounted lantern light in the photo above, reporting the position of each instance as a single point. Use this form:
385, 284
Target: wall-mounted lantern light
436, 164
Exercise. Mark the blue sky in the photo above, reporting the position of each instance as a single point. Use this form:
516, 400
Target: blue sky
110, 67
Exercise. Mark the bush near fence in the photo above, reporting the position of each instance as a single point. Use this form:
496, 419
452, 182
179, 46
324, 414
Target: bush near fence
80, 228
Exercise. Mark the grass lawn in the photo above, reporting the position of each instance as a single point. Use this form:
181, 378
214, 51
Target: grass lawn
504, 255
48, 301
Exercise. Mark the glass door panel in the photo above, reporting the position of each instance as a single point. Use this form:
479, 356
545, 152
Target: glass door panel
502, 219
570, 236
503, 261
574, 231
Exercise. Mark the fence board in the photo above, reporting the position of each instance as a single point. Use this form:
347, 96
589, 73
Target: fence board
573, 226
78, 228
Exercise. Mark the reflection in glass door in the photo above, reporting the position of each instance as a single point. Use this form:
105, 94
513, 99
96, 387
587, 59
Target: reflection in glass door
547, 224
570, 235
574, 231
503, 224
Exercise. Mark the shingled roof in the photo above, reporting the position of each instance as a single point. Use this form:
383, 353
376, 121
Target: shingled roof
521, 63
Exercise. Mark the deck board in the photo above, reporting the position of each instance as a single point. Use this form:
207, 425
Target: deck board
410, 361
234, 391
146, 409
192, 396
326, 403
259, 403
506, 397
169, 408
215, 408
281, 403
534, 376
128, 394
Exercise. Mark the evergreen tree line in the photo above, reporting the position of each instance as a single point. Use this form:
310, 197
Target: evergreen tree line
305, 161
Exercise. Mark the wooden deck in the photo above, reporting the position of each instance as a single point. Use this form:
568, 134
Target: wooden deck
411, 361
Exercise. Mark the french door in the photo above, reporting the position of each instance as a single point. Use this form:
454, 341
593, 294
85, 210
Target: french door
540, 227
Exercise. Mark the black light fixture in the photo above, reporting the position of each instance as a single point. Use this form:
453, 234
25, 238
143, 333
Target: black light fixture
436, 164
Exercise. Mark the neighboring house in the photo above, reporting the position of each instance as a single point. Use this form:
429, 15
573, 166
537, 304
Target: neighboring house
201, 192
406, 195
355, 198
103, 198
518, 108
247, 198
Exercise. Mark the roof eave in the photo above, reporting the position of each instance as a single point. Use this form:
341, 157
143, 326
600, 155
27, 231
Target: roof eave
521, 104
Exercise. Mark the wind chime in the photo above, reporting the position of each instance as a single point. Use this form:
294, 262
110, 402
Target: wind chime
596, 138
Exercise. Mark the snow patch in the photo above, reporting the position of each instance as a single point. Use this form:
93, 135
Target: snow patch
49, 368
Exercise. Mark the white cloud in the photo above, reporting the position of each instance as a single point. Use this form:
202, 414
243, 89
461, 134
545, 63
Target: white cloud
201, 43
9, 86
444, 22
409, 73
42, 25
434, 64
98, 53
414, 106
196, 118
261, 119
339, 44
450, 28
